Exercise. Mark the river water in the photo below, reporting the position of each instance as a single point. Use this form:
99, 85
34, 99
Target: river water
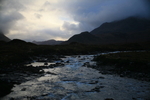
75, 81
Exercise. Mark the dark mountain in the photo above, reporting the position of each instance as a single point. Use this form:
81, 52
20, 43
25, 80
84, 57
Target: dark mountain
128, 30
48, 42
4, 38
127, 25
118, 37
19, 42
84, 37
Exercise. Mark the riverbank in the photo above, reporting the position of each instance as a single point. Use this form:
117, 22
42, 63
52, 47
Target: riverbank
73, 80
11, 74
14, 54
125, 64
16, 75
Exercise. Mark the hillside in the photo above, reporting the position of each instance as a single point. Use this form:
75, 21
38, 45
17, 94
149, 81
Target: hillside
127, 25
4, 38
84, 37
18, 42
48, 42
129, 30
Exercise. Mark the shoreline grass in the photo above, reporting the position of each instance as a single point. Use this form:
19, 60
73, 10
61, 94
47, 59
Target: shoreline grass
127, 63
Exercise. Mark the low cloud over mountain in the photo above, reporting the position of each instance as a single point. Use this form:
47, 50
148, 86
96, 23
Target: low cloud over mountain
128, 30
60, 19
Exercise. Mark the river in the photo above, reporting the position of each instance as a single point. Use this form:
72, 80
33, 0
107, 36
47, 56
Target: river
73, 80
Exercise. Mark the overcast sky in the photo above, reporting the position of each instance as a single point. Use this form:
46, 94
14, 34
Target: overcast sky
60, 19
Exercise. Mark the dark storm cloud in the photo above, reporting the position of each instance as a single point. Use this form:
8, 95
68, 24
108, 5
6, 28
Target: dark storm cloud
91, 14
68, 17
9, 14
147, 3
69, 26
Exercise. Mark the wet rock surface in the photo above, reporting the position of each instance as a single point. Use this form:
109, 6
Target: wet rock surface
72, 79
21, 72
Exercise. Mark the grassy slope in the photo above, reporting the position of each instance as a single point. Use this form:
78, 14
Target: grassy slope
15, 53
131, 62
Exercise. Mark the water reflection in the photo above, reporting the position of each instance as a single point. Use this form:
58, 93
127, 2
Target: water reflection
35, 64
74, 81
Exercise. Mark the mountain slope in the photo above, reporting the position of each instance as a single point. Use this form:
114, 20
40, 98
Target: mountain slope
118, 37
4, 38
127, 25
21, 43
129, 30
48, 42
84, 37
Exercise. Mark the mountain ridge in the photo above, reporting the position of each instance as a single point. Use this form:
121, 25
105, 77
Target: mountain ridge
131, 24
47, 42
83, 37
128, 30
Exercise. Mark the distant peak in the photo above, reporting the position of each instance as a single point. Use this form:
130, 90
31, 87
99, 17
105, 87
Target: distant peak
85, 32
